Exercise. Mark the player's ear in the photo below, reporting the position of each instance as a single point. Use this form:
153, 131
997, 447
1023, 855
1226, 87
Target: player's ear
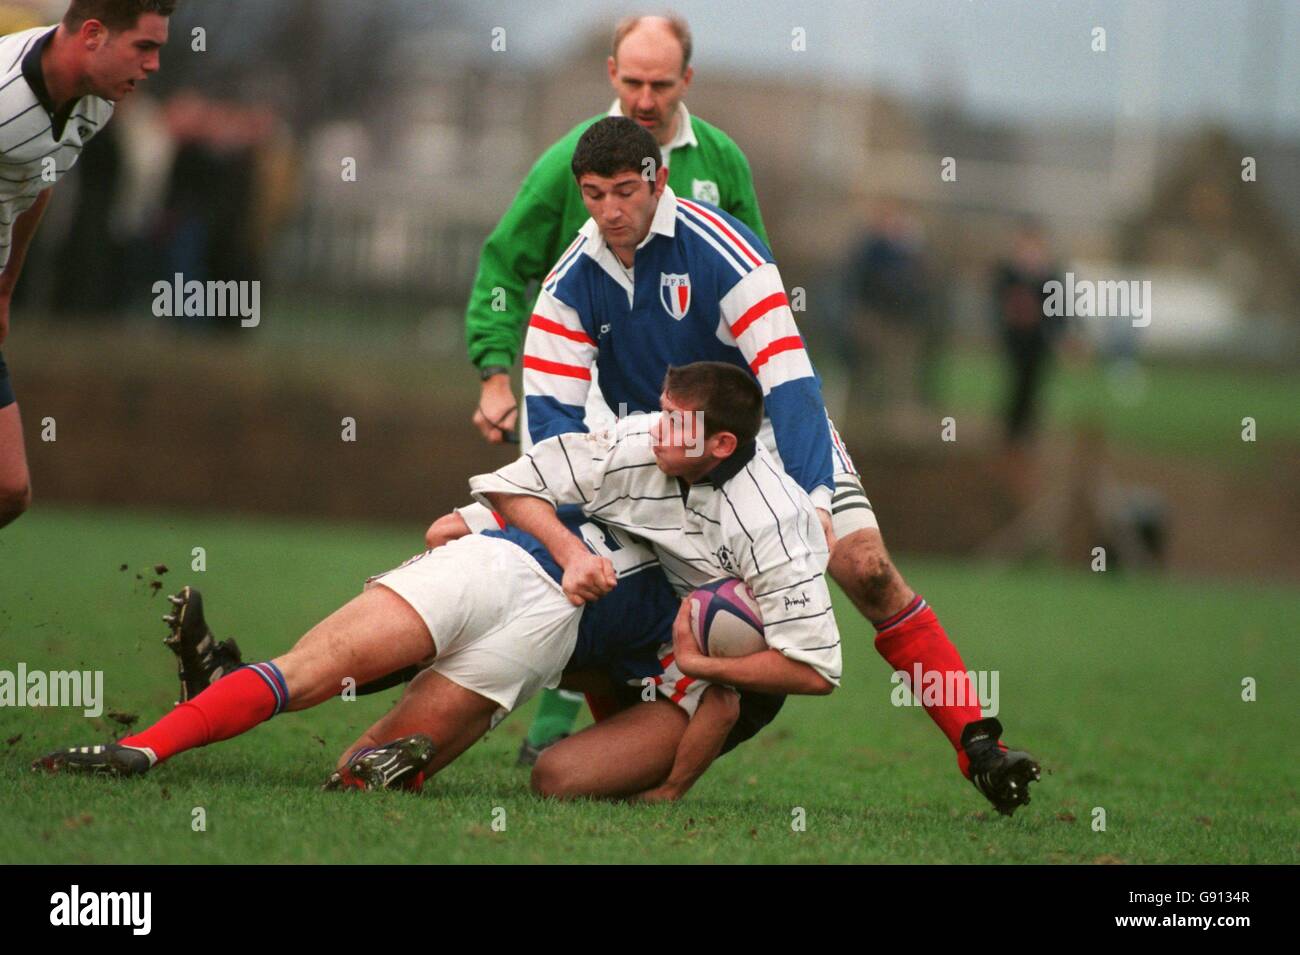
661, 179
724, 444
612, 67
687, 77
93, 33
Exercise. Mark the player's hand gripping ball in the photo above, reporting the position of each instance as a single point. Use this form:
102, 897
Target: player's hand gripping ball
726, 620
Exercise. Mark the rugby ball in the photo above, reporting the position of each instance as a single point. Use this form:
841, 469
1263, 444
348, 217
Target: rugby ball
725, 619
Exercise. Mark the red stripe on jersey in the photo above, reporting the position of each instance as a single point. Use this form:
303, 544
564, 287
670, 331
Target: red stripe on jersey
790, 343
555, 328
757, 311
682, 684
736, 240
667, 661
557, 368
501, 523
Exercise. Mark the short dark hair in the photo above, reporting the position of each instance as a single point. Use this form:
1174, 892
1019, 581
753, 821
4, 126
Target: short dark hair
615, 144
117, 15
727, 394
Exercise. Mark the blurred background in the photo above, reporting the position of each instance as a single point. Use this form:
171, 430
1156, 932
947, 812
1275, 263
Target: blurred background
982, 429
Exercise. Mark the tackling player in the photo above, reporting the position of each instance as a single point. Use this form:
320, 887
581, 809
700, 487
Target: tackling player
489, 613
649, 69
57, 90
654, 280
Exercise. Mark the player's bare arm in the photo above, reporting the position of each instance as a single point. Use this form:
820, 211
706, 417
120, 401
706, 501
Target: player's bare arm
768, 671
24, 229
700, 745
586, 576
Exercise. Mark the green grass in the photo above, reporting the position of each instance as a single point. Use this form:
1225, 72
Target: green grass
1193, 410
1128, 690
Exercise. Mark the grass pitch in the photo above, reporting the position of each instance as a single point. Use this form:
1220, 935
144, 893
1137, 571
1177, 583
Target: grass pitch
1128, 689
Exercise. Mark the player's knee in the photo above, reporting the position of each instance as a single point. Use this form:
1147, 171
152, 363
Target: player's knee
552, 776
14, 500
861, 566
312, 676
447, 528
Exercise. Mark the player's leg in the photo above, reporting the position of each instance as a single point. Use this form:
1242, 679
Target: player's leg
15, 481
450, 715
629, 752
516, 643
369, 636
909, 635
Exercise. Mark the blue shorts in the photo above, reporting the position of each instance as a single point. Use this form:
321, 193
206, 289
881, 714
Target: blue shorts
6, 388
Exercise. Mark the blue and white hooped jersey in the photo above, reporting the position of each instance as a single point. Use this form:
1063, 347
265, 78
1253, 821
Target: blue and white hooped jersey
703, 287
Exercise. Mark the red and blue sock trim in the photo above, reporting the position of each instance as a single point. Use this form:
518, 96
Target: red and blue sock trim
911, 610
274, 679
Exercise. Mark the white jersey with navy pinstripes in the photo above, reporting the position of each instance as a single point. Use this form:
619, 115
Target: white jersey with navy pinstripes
703, 287
747, 519
32, 157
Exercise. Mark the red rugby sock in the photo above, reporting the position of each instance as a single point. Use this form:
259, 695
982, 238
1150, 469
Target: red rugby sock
914, 636
231, 706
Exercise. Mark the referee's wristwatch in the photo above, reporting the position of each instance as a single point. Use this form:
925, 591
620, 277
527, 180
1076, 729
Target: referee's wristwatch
487, 371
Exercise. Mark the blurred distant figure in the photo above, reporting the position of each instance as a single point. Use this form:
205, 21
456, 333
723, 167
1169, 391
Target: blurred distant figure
90, 249
230, 187
1028, 335
887, 327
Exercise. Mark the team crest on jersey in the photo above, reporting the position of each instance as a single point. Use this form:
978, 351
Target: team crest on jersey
675, 293
706, 190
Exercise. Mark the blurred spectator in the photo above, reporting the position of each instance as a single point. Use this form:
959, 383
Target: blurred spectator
89, 249
1028, 336
889, 334
231, 186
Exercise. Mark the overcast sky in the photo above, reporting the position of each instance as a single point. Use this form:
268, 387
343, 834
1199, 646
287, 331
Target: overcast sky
1232, 61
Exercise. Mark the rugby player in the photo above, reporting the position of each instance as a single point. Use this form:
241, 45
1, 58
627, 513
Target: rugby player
57, 90
488, 617
653, 280
702, 490
649, 67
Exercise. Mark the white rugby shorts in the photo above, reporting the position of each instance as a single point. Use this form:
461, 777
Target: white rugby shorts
501, 627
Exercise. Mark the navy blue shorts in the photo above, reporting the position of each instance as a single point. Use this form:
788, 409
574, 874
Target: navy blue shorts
6, 388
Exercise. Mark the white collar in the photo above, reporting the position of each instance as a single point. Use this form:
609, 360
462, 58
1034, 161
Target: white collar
685, 131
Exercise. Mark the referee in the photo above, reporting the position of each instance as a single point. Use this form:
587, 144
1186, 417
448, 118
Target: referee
57, 91
649, 68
